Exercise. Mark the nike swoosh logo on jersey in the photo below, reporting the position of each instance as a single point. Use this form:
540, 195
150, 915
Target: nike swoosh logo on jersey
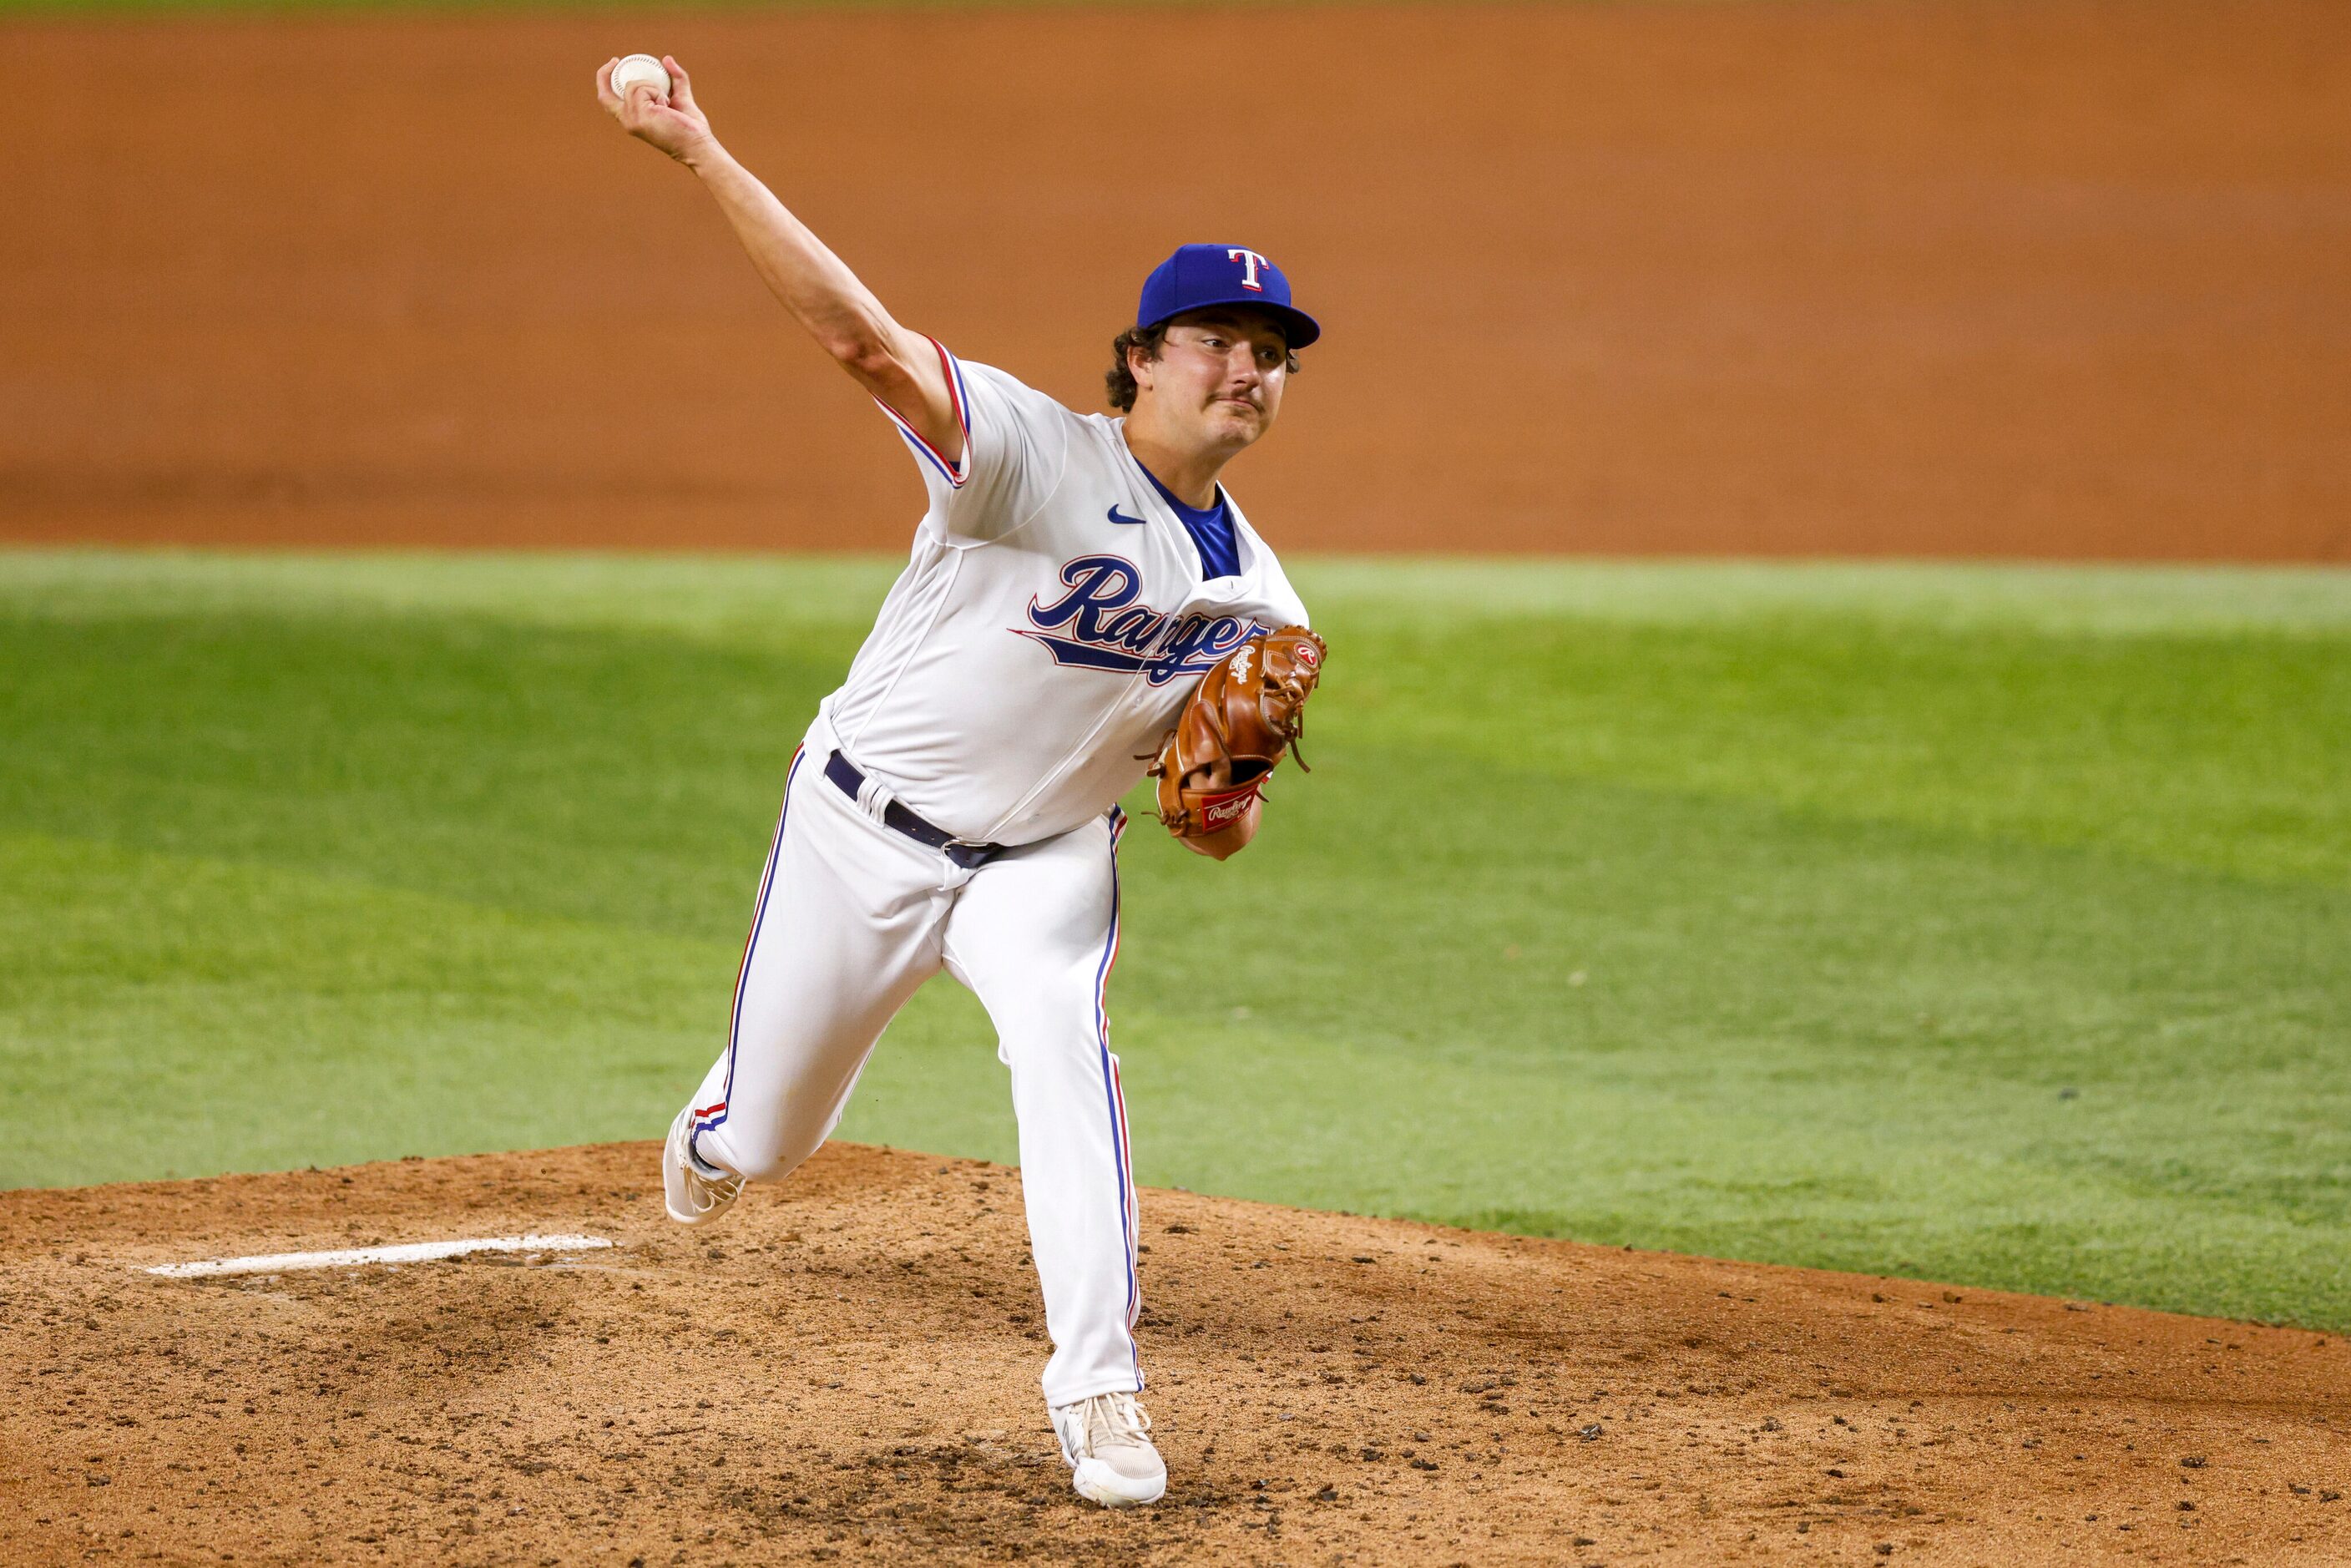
1118, 517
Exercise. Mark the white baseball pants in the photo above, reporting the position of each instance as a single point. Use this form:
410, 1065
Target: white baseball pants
851, 917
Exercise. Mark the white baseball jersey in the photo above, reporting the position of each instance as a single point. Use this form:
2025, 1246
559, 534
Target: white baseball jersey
1049, 627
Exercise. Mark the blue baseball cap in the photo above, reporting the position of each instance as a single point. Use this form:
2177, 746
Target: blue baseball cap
1199, 276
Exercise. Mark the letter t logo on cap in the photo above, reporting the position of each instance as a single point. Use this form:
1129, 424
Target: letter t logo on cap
1250, 261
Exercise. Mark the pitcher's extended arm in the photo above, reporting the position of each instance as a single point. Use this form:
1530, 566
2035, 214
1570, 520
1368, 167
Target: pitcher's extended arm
901, 368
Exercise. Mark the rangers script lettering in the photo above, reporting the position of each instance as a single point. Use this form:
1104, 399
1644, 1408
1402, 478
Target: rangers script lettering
1136, 637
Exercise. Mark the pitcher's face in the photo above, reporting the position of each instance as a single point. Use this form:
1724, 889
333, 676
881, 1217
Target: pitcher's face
1217, 380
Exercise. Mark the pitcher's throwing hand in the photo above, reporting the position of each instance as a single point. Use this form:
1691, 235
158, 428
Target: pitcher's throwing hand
670, 122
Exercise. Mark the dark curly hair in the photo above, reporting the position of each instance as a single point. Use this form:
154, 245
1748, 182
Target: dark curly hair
1120, 380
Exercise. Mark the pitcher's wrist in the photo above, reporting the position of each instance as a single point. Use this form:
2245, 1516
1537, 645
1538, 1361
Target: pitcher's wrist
705, 157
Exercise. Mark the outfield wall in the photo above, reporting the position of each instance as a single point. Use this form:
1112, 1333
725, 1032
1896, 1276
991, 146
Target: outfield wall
2042, 279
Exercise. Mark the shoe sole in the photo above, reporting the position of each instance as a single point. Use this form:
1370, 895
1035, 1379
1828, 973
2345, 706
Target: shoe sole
1097, 1483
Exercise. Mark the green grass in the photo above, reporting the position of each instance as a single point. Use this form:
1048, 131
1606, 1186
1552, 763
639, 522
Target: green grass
1988, 924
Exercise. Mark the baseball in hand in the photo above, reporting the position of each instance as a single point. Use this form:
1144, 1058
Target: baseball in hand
637, 70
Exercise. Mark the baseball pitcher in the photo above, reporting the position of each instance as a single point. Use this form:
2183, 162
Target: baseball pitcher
1083, 603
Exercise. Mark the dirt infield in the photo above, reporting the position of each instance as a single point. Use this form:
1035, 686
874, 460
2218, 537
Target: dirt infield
2041, 277
846, 1370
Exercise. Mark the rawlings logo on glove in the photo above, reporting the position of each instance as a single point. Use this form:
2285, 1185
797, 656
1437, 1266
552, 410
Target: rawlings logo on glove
1248, 711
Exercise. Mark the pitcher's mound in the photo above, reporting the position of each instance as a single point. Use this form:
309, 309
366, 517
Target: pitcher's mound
846, 1368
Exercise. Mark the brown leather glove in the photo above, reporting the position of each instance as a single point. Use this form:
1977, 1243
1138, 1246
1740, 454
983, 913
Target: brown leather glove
1247, 710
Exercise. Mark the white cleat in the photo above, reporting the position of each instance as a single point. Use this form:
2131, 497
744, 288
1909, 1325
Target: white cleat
692, 1191
1105, 1442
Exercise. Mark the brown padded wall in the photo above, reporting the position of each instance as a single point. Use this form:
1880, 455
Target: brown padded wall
2045, 278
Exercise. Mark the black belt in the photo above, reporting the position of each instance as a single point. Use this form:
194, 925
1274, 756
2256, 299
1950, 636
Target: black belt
963, 851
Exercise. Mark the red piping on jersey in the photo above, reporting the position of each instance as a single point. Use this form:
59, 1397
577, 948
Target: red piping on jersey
955, 473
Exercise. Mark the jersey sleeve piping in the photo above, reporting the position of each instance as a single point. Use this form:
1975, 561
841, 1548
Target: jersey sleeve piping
958, 472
